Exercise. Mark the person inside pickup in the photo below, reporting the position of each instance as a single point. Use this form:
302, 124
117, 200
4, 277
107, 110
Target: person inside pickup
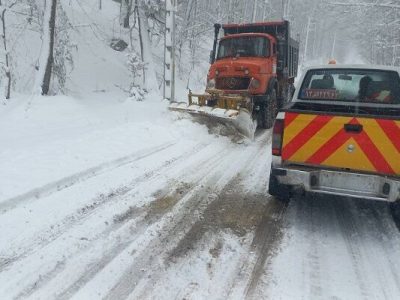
362, 92
380, 91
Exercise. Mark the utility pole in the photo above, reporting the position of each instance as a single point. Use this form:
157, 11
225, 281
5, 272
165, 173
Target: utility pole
333, 46
169, 50
307, 37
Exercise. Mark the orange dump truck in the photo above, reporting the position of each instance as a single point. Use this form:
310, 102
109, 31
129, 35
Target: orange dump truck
251, 76
340, 135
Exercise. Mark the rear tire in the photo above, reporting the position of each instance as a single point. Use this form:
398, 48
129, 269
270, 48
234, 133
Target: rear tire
280, 191
395, 211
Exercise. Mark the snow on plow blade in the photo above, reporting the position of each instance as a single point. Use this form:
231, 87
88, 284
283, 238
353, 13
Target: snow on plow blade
231, 111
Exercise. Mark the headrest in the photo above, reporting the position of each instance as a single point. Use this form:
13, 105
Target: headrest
322, 84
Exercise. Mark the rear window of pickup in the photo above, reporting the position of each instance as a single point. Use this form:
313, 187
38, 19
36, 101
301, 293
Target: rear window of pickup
351, 86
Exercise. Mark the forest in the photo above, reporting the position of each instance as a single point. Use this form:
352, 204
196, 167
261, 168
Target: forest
43, 40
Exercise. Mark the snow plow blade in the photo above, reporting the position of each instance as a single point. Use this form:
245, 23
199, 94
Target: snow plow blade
230, 111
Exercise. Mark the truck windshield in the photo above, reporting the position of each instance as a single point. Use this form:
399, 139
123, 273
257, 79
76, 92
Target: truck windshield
352, 85
247, 46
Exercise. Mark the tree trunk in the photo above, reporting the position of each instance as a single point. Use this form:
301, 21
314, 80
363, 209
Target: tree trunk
7, 55
254, 14
49, 24
126, 10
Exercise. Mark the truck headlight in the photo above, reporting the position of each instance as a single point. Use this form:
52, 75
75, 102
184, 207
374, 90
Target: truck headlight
255, 84
211, 84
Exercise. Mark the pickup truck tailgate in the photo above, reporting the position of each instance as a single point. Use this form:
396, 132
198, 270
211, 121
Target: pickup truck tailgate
342, 142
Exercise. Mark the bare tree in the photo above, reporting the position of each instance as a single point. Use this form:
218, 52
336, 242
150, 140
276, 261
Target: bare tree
126, 11
7, 67
46, 60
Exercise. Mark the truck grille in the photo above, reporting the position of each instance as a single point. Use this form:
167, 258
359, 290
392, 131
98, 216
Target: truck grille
233, 83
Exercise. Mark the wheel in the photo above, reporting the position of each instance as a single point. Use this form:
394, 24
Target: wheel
280, 191
269, 111
395, 210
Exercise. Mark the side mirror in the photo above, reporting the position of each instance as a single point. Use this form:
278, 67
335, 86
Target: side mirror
212, 57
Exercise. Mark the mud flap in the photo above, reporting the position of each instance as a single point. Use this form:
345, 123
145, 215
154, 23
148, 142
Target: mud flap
241, 119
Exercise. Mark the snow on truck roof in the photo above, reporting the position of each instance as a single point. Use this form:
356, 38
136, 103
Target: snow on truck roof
233, 25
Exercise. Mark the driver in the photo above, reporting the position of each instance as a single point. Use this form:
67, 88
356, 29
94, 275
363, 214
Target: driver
364, 83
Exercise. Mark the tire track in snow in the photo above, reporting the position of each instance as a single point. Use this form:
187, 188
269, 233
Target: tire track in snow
335, 248
351, 236
315, 213
199, 203
150, 220
388, 243
125, 220
266, 242
237, 208
82, 176
376, 258
230, 210
80, 215
268, 232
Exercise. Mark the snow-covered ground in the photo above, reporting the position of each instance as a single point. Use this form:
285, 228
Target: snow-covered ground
106, 197
124, 199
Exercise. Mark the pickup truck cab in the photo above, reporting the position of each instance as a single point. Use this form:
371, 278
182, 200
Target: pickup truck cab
340, 134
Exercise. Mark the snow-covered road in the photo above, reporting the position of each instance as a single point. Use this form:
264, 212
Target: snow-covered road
191, 219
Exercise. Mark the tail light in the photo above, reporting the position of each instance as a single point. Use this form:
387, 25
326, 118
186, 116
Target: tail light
277, 137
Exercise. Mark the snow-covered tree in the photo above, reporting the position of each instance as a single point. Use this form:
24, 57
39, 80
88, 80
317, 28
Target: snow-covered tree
136, 68
4, 7
63, 57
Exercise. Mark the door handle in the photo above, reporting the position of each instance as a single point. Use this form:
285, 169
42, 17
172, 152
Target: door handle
353, 128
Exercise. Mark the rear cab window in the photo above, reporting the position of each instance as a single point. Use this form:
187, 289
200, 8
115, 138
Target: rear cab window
365, 86
367, 91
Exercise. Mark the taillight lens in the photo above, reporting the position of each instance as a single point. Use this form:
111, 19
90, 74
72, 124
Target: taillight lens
277, 137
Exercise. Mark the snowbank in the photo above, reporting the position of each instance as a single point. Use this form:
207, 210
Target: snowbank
45, 139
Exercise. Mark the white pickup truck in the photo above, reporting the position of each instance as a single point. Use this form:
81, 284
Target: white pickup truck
340, 135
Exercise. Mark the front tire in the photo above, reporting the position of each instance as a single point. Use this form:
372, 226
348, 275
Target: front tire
269, 110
